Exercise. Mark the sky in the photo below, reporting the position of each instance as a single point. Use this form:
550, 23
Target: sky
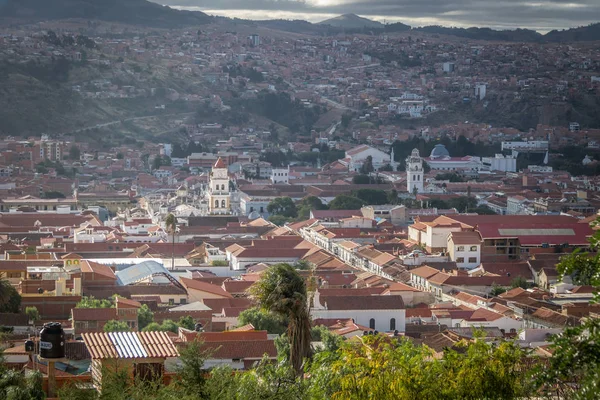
540, 15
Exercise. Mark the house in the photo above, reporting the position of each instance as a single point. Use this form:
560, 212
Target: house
379, 312
199, 291
141, 355
239, 349
356, 157
464, 248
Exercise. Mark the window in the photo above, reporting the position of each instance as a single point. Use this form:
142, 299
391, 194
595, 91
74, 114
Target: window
372, 323
216, 203
460, 260
393, 324
473, 248
171, 302
223, 204
472, 259
460, 248
182, 300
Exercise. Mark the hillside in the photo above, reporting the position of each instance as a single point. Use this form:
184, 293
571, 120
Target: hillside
581, 34
517, 35
352, 21
135, 12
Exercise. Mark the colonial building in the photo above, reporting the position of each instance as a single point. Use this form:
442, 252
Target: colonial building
219, 195
414, 172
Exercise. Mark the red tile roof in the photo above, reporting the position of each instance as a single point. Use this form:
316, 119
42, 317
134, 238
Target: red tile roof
129, 345
191, 284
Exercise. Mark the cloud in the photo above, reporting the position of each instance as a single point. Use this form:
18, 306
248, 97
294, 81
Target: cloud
533, 14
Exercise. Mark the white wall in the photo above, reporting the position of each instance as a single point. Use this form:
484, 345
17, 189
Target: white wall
362, 317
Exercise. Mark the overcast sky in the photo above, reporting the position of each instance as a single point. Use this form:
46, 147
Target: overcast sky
541, 15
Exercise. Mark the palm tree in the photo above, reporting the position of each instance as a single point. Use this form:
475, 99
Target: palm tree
171, 225
282, 291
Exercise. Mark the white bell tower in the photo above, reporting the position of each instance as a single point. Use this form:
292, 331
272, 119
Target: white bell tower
219, 195
414, 172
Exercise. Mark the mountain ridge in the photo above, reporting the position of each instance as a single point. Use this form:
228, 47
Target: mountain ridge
133, 12
351, 21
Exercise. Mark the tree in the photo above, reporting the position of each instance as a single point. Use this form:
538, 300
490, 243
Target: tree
91, 302
279, 220
10, 300
582, 267
166, 326
371, 196
74, 153
263, 320
367, 166
308, 204
519, 282
33, 314
282, 290
120, 156
392, 197
361, 179
16, 385
497, 290
145, 316
187, 322
116, 326
171, 226
283, 206
192, 374
346, 202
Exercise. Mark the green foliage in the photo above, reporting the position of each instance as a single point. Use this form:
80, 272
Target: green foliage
145, 316
449, 176
166, 326
331, 341
187, 322
10, 299
283, 206
371, 196
346, 202
74, 153
361, 179
497, 290
91, 302
282, 290
279, 220
574, 370
53, 195
192, 375
380, 369
308, 204
116, 326
519, 282
32, 313
220, 263
280, 107
16, 385
367, 166
583, 268
263, 320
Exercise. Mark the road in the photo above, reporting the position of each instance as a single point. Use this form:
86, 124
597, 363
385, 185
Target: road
105, 124
362, 66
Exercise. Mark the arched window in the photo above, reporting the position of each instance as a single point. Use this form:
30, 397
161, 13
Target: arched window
223, 204
222, 187
372, 323
216, 203
393, 324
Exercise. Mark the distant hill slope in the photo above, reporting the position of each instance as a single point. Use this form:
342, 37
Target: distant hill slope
581, 34
135, 12
352, 21
517, 35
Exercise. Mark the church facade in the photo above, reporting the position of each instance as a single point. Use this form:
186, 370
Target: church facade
219, 194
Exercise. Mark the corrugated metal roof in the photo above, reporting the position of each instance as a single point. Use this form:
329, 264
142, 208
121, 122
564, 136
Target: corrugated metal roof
536, 232
130, 345
141, 271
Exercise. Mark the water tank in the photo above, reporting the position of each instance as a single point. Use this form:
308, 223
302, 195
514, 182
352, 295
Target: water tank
52, 341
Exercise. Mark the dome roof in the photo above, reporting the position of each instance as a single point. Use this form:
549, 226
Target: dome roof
439, 151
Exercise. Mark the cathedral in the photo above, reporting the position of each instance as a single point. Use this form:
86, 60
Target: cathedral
219, 195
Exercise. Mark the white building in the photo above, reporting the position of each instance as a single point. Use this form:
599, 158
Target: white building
464, 248
480, 90
440, 159
414, 172
500, 163
280, 175
356, 157
219, 196
385, 313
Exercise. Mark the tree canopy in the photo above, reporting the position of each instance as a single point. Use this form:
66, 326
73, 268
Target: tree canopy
346, 202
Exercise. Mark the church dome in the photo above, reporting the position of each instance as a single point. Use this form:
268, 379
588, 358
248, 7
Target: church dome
439, 151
